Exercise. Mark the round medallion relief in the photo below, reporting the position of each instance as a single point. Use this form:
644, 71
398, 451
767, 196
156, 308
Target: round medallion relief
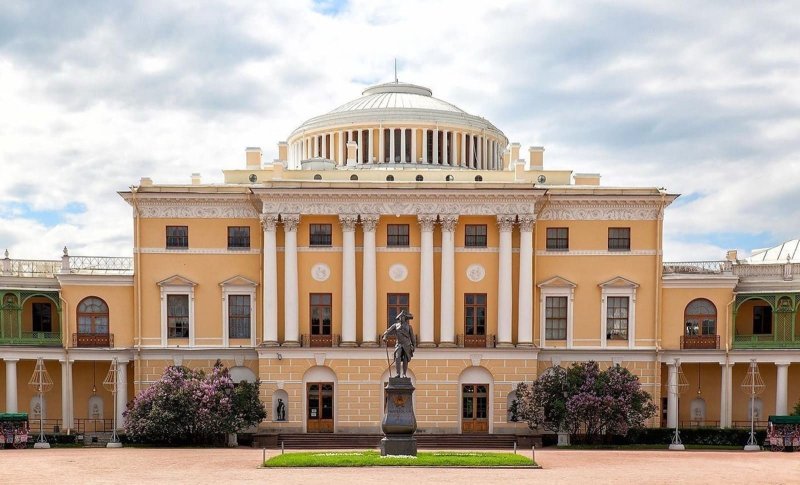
398, 272
321, 272
475, 272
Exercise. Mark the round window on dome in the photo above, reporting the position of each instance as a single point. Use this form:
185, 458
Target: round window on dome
253, 178
317, 177
419, 178
354, 177
449, 178
390, 178
478, 178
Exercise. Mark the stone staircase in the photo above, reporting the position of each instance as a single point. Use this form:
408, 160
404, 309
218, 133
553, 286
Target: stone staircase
360, 441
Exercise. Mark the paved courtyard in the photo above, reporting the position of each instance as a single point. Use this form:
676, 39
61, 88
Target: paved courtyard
220, 466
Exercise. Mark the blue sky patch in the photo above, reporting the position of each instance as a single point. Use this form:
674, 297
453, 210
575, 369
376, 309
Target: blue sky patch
49, 218
330, 7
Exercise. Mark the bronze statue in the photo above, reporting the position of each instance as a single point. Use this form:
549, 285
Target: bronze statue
406, 340
281, 411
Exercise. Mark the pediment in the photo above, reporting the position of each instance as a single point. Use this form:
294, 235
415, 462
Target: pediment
618, 282
176, 280
557, 282
238, 280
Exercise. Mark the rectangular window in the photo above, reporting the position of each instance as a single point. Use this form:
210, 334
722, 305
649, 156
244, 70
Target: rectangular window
238, 316
177, 236
397, 235
619, 238
320, 313
762, 320
320, 235
475, 235
557, 238
42, 317
617, 318
555, 326
395, 302
475, 313
178, 316
238, 237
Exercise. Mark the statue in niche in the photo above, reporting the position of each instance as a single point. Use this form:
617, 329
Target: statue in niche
280, 411
406, 340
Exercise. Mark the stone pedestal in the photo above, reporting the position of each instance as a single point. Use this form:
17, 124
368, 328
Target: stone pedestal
399, 422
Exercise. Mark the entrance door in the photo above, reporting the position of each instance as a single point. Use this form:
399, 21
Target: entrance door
474, 408
320, 407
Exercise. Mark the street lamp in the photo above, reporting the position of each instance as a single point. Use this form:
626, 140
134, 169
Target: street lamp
111, 383
563, 433
677, 384
752, 385
41, 382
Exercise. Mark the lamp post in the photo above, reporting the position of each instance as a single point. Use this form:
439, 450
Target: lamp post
111, 382
563, 432
677, 385
752, 385
41, 382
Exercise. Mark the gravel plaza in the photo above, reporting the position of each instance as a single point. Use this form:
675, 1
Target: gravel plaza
219, 466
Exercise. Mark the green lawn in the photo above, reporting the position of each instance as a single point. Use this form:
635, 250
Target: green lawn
373, 458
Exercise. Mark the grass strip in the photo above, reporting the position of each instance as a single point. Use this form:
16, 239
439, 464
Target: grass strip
373, 458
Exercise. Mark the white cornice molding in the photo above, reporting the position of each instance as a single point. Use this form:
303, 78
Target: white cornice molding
92, 280
597, 252
195, 206
392, 202
699, 281
198, 251
601, 209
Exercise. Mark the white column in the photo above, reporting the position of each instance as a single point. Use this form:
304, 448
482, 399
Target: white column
359, 149
726, 395
672, 396
435, 146
291, 327
493, 153
426, 223
270, 298
506, 224
371, 147
391, 145
424, 145
369, 310
381, 149
480, 152
414, 158
122, 391
447, 320
324, 140
463, 149
348, 223
66, 393
332, 146
445, 159
11, 385
403, 145
341, 160
525, 299
781, 388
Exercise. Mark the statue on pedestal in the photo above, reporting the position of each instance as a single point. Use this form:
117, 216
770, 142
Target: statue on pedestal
406, 340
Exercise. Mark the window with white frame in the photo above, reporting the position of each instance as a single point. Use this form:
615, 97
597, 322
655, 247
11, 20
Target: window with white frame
618, 312
238, 309
177, 309
557, 295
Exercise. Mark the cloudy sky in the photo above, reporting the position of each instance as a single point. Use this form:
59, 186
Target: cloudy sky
702, 98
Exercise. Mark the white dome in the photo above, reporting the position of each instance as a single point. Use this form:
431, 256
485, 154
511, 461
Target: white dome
396, 102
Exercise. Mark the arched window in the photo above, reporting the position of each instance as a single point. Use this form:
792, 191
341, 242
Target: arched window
419, 178
92, 316
478, 178
449, 178
700, 318
354, 177
390, 178
317, 177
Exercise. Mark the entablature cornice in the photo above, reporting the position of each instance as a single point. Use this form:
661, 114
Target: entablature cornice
610, 208
405, 203
193, 205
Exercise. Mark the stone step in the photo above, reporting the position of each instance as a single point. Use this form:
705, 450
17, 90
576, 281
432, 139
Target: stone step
342, 441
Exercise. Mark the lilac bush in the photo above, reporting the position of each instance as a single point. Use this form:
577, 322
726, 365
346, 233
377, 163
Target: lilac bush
584, 399
190, 407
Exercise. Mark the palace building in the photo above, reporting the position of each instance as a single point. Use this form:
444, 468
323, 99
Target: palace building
290, 270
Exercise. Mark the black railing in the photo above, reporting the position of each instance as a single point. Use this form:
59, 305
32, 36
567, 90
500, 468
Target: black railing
699, 341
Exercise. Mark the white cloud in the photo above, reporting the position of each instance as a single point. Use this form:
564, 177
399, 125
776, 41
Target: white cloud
700, 98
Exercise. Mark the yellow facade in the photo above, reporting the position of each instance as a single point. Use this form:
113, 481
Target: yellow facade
487, 243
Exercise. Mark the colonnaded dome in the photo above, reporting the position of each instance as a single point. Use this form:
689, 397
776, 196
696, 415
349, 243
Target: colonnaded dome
397, 125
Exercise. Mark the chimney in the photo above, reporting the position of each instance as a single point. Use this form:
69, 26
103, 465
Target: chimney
514, 154
283, 151
587, 179
145, 182
536, 158
253, 157
507, 160
351, 153
732, 255
196, 179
